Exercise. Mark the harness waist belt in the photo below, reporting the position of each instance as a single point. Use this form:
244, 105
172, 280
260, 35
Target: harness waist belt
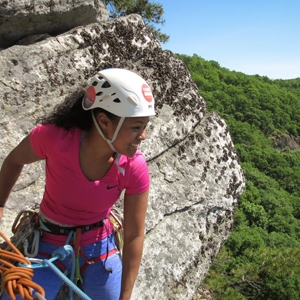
65, 230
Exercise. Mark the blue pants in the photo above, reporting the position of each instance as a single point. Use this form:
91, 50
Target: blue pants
98, 283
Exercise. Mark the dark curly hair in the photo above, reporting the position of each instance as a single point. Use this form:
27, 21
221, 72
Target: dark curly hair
70, 114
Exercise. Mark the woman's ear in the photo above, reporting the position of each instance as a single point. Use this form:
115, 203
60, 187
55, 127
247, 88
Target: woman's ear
103, 120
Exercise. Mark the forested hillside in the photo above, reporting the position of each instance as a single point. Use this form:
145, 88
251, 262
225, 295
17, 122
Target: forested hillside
261, 258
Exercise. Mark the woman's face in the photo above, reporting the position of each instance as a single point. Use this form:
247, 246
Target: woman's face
130, 136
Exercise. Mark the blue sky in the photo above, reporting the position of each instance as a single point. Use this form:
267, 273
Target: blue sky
251, 36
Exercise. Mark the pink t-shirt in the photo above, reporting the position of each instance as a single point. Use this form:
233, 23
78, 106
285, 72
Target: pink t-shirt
69, 197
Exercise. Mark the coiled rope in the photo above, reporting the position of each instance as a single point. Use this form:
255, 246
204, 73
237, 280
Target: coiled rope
15, 279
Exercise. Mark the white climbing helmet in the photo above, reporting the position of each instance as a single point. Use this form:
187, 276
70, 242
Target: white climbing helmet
120, 92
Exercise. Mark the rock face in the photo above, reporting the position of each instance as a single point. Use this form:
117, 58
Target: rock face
196, 175
21, 18
283, 141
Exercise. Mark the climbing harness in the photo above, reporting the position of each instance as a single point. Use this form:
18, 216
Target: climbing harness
65, 230
117, 224
17, 270
115, 217
26, 232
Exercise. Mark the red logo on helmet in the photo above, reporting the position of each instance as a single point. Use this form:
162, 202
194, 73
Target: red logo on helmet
147, 92
89, 97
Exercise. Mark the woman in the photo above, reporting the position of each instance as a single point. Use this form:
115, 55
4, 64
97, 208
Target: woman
91, 152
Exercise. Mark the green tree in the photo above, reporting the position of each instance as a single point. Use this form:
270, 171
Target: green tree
255, 213
263, 274
152, 13
245, 238
277, 272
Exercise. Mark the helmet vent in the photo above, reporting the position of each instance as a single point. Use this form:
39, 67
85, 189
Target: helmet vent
99, 94
106, 84
94, 83
117, 100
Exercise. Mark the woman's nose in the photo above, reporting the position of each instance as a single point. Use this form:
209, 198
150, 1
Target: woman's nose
142, 135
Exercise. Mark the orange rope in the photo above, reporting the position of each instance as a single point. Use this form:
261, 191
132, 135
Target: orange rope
16, 280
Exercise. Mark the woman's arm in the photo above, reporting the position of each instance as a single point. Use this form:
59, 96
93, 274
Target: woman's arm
12, 167
135, 207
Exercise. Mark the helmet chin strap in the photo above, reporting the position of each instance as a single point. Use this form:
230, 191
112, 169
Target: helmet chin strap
110, 142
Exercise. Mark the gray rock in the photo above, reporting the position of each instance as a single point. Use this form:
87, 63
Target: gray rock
31, 39
196, 177
21, 18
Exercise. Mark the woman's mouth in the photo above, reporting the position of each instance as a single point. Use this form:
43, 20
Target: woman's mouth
135, 145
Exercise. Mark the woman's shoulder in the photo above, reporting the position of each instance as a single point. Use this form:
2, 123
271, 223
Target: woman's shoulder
46, 128
135, 164
52, 130
45, 138
136, 179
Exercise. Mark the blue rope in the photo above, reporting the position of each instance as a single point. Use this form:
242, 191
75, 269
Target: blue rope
70, 283
61, 253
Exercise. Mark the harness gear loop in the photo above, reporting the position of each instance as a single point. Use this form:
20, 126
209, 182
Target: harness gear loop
77, 248
116, 219
26, 232
16, 280
34, 245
